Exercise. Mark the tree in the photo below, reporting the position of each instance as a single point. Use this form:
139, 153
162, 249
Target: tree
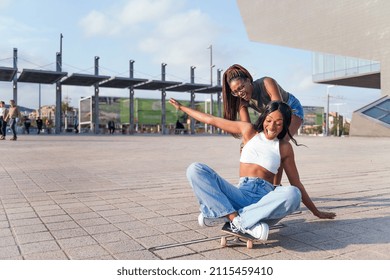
65, 104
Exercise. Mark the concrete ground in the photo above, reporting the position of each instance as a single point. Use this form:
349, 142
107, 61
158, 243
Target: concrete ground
126, 197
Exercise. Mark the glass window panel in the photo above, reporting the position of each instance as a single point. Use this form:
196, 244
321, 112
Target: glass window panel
339, 63
375, 112
351, 62
386, 119
385, 105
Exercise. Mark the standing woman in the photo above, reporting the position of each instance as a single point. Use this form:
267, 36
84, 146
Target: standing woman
12, 116
239, 92
3, 122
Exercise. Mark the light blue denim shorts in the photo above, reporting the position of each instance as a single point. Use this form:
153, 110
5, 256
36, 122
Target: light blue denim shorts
296, 106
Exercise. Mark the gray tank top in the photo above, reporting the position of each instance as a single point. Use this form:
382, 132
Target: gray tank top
261, 97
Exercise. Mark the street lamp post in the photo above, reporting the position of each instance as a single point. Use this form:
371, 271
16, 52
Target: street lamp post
163, 97
39, 105
211, 84
327, 130
58, 111
338, 118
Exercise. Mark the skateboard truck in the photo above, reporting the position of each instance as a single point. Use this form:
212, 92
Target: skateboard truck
237, 237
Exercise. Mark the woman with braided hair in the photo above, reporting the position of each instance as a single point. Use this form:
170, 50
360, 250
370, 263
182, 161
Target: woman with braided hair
240, 91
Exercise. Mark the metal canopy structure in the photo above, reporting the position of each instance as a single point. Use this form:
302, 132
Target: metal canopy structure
83, 79
121, 82
40, 76
213, 89
60, 78
7, 74
186, 87
156, 84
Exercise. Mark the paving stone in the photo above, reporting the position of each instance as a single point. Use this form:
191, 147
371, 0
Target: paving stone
39, 247
26, 222
62, 225
34, 237
137, 255
174, 252
78, 241
123, 246
4, 224
7, 241
10, 251
92, 222
50, 255
110, 237
86, 252
101, 229
56, 219
224, 254
5, 232
29, 229
67, 233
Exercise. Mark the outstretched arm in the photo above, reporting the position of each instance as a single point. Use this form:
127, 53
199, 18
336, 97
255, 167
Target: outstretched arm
290, 168
236, 127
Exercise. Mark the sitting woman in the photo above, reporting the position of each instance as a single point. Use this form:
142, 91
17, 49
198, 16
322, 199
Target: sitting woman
254, 203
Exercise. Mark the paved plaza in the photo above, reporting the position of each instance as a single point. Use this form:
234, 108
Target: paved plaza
126, 197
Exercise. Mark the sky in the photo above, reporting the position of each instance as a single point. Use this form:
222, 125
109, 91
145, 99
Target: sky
151, 32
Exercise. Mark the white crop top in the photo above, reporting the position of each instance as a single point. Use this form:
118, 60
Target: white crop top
261, 151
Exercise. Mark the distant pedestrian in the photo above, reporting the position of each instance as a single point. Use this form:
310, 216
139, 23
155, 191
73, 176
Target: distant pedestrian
76, 128
39, 125
27, 124
76, 125
48, 126
13, 117
179, 128
3, 122
111, 127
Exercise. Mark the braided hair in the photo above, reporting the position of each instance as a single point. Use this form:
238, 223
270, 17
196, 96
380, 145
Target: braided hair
231, 104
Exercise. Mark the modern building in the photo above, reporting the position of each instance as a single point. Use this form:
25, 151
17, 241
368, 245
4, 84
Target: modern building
313, 122
351, 41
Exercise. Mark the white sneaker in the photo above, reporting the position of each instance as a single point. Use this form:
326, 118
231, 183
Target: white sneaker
258, 231
211, 222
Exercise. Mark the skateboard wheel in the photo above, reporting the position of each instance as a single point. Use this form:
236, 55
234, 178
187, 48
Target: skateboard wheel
223, 241
249, 244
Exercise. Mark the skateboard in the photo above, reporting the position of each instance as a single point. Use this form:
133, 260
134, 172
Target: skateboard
239, 239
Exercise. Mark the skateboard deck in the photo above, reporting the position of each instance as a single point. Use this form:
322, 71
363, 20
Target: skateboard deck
240, 239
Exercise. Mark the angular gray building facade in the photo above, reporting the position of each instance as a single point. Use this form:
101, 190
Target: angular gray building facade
358, 29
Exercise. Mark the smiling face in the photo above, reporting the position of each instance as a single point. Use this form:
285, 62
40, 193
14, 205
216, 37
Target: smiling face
273, 124
241, 88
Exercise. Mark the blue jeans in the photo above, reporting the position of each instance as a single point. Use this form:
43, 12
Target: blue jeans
253, 198
12, 123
